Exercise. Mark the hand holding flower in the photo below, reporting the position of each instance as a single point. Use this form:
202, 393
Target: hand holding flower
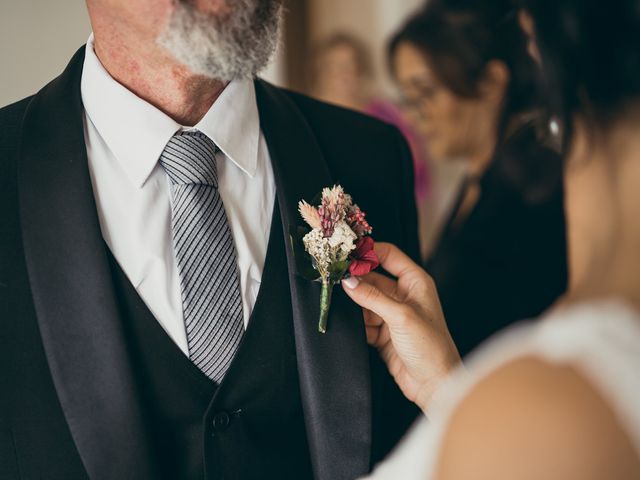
405, 322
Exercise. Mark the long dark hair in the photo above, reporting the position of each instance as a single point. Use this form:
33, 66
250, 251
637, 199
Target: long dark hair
590, 55
460, 38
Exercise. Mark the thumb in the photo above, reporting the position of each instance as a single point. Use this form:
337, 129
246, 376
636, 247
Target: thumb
372, 298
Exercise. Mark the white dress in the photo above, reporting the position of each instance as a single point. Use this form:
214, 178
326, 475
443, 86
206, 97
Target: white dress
601, 340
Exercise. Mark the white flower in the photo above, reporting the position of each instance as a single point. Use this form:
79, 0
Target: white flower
342, 240
327, 251
333, 195
318, 247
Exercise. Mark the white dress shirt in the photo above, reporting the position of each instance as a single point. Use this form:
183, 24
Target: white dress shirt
125, 136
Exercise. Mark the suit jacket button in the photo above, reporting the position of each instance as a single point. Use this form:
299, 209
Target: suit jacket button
221, 421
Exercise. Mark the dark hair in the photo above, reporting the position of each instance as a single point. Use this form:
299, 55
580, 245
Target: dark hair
590, 52
459, 39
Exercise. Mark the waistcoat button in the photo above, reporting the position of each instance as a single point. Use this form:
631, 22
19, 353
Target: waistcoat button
221, 421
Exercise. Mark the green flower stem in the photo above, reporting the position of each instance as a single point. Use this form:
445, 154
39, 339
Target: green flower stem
325, 304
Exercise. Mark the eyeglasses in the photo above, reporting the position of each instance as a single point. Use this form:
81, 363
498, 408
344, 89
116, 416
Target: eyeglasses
416, 96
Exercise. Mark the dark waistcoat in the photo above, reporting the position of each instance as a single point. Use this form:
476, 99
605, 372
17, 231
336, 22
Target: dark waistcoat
251, 425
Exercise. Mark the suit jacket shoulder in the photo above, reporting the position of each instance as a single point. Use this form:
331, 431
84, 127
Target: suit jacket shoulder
11, 118
335, 120
10, 125
13, 113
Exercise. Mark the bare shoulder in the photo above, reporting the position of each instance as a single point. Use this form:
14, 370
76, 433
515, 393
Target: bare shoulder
531, 419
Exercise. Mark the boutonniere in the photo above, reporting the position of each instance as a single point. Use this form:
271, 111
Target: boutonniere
338, 245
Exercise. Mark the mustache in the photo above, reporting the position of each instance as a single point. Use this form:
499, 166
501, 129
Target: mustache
227, 8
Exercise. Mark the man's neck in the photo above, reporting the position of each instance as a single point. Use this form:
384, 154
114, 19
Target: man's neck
156, 78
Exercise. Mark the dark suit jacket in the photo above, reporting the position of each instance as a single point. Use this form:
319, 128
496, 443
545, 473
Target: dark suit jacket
69, 407
507, 261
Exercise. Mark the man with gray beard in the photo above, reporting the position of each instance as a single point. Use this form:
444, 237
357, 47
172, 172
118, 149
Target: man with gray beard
154, 324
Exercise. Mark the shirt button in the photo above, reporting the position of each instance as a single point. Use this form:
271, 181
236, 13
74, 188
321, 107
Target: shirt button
221, 421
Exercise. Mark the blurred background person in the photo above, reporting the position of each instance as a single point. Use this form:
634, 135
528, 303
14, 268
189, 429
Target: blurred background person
501, 256
342, 73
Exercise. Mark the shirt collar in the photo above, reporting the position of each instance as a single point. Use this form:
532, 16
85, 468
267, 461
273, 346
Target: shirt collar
233, 124
136, 132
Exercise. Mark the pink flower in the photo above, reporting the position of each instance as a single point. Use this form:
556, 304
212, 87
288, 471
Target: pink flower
363, 258
357, 222
333, 208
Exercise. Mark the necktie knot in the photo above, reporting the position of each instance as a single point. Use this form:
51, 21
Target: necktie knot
189, 158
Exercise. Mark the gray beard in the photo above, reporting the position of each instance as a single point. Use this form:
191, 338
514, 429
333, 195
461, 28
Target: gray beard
237, 46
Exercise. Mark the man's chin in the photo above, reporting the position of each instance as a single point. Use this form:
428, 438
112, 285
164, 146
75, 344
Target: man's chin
223, 50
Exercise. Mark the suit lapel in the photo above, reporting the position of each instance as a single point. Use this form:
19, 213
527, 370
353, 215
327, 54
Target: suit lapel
71, 285
334, 367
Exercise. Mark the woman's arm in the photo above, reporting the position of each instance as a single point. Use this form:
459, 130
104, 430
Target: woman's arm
531, 420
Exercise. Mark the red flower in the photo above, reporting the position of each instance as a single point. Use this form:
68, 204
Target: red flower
363, 258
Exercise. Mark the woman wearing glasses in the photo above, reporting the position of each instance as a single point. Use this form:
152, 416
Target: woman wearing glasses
501, 255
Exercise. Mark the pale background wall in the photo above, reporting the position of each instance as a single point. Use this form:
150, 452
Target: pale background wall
37, 38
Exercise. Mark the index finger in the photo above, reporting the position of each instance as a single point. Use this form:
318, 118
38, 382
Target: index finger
393, 260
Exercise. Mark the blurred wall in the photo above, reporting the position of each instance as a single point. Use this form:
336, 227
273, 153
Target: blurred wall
37, 39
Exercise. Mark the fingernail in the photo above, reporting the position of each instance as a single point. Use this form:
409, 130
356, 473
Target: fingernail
351, 282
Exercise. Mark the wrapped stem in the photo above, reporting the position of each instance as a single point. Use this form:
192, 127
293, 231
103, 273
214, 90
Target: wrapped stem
325, 304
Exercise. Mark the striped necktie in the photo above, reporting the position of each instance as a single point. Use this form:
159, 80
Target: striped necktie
205, 254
